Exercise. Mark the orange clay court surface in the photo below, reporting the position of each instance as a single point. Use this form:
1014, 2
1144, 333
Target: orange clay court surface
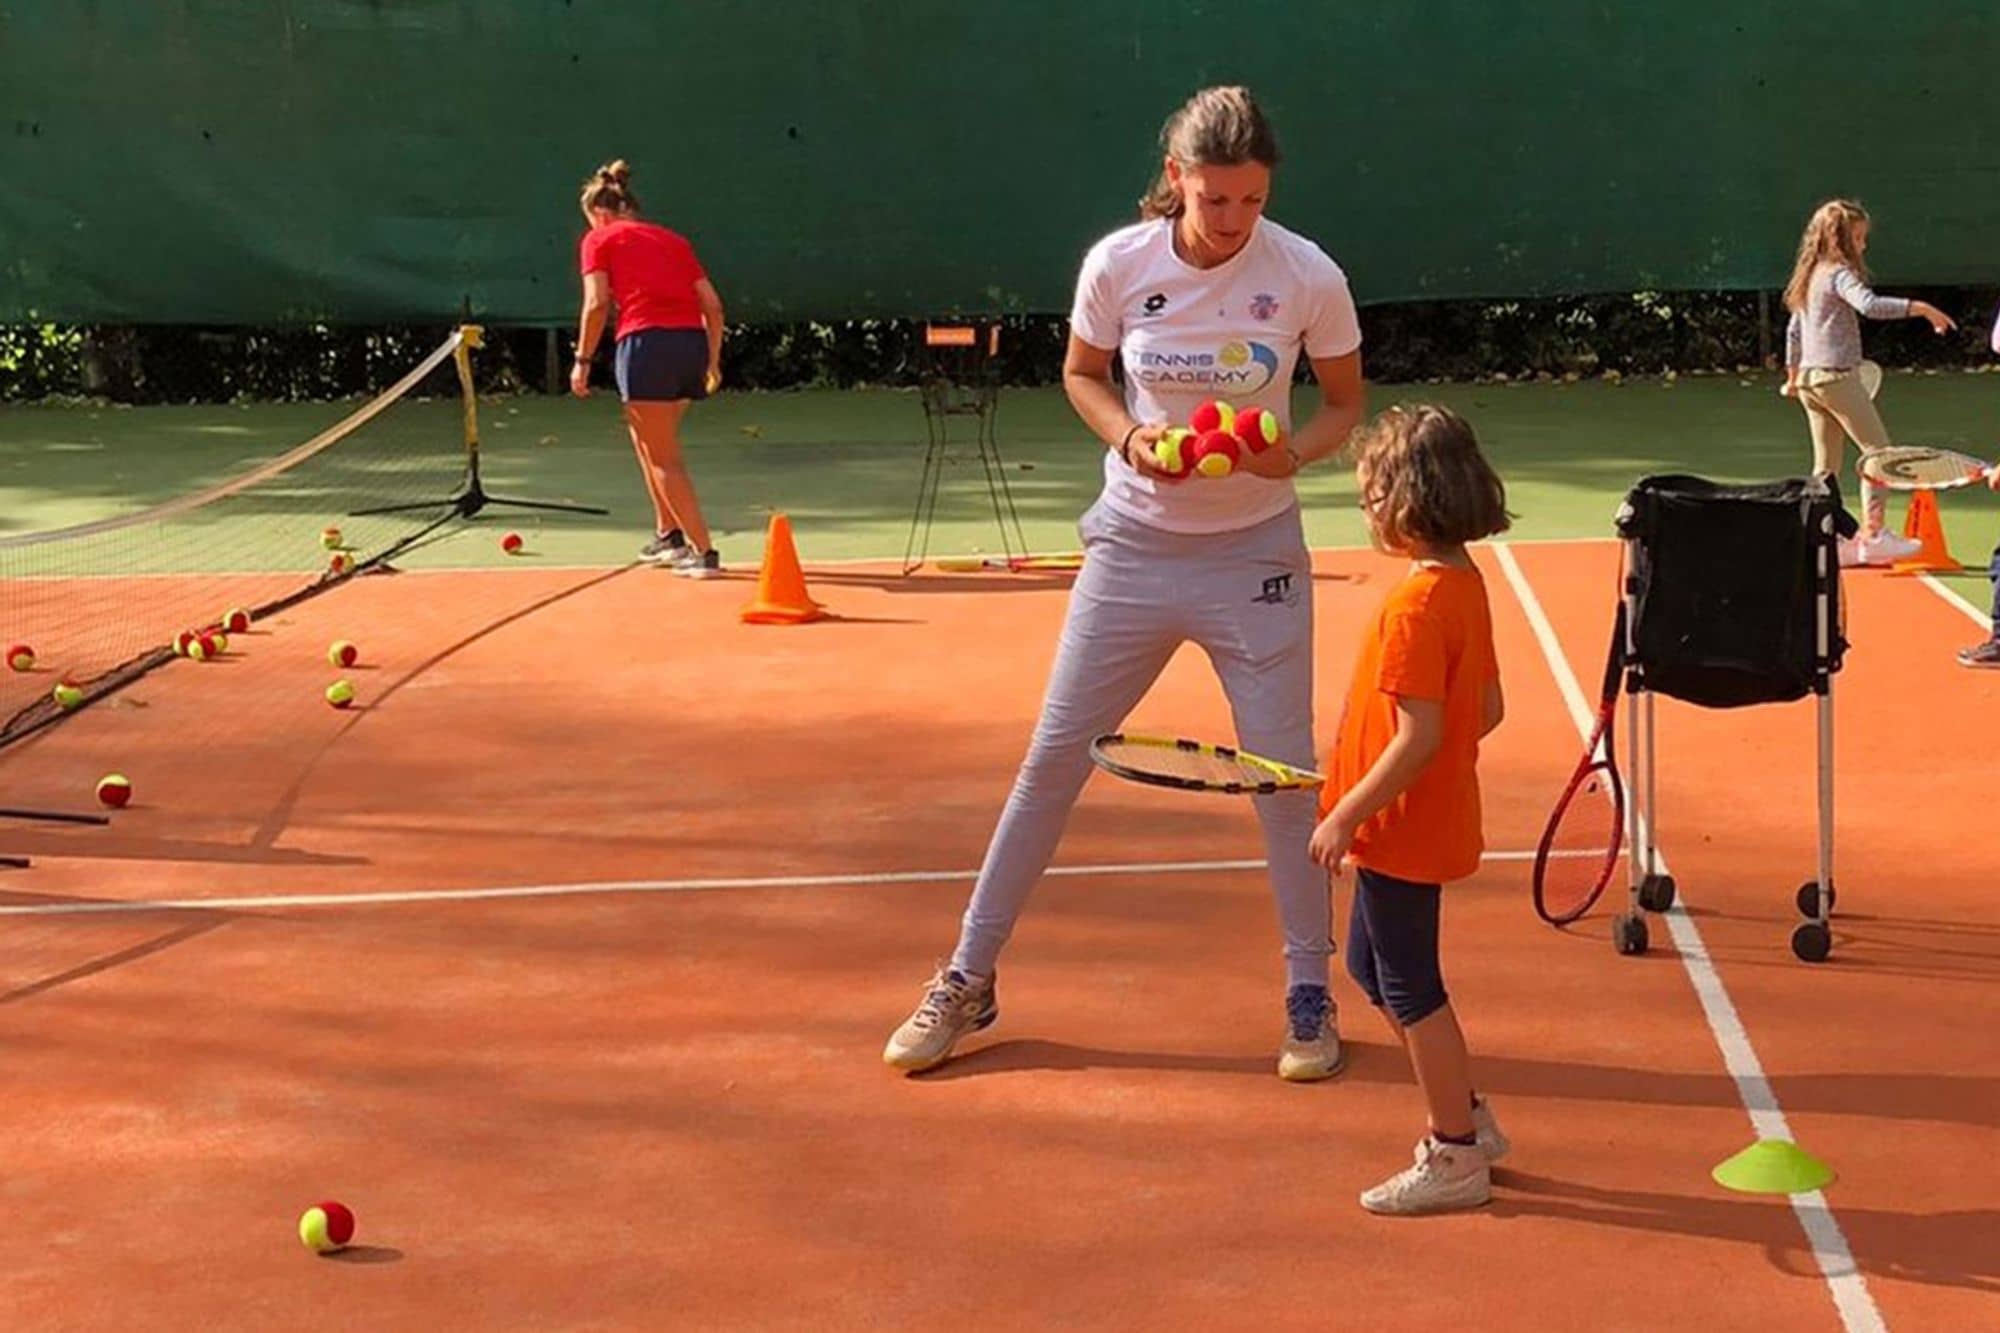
643, 1088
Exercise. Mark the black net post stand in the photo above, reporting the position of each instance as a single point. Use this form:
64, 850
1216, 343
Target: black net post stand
961, 379
1732, 599
472, 495
46, 817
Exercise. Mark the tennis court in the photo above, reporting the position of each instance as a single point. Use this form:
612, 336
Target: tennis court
566, 957
400, 814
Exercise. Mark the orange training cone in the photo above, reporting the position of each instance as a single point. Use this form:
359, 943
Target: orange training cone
1924, 524
781, 585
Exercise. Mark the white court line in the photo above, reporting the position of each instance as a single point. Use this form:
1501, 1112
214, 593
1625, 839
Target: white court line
274, 900
1851, 1298
1958, 601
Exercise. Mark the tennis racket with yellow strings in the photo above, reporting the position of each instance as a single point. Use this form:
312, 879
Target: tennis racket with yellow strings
1165, 761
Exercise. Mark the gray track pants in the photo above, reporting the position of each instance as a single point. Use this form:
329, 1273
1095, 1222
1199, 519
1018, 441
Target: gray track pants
1246, 598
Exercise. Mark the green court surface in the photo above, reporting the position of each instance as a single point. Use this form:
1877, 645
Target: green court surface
844, 464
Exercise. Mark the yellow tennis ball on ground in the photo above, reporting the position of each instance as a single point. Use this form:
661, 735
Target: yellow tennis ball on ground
201, 647
340, 694
326, 1227
343, 654
341, 563
330, 539
67, 695
218, 641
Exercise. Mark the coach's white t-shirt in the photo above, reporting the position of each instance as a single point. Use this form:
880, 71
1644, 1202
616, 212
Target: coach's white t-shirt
1188, 334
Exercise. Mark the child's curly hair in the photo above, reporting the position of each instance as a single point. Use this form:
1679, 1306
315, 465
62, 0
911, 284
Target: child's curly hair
1424, 481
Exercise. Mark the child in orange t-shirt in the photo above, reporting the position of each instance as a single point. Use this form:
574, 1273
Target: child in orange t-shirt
1402, 797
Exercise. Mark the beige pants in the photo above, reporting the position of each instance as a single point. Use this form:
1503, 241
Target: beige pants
1838, 409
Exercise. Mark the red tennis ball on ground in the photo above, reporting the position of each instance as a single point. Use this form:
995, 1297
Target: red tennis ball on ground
326, 1226
1257, 430
184, 641
114, 790
511, 543
237, 621
20, 657
1212, 415
341, 563
1215, 453
211, 645
342, 653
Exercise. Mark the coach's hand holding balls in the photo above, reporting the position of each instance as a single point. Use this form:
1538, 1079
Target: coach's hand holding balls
1217, 441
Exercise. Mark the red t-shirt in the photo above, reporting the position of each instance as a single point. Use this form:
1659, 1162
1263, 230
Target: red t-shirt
652, 270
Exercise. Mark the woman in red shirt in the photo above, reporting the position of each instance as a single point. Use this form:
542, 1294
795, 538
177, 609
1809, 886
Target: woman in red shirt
669, 352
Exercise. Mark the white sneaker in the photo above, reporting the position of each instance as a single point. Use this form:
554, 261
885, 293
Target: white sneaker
1446, 1178
1886, 548
1311, 1048
954, 1006
1492, 1141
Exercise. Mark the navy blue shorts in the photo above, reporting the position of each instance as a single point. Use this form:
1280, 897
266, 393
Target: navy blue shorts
1392, 945
662, 365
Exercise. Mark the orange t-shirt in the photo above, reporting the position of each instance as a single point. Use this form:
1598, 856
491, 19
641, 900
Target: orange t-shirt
1432, 639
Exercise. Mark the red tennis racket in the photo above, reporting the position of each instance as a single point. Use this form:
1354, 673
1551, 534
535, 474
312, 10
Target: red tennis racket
1579, 848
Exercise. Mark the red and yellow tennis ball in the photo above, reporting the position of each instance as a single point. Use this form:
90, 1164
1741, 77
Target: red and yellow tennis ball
1256, 429
511, 543
237, 621
200, 647
66, 695
341, 563
114, 790
20, 657
1211, 416
184, 641
342, 653
330, 539
216, 642
340, 694
1215, 453
326, 1227
1170, 451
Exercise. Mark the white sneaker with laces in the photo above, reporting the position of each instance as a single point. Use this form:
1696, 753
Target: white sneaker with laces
1446, 1178
955, 1005
1886, 548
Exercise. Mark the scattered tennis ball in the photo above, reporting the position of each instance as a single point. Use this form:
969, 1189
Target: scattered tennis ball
1215, 453
218, 642
1170, 452
340, 694
343, 654
200, 648
114, 790
1212, 415
341, 563
1256, 429
326, 1227
67, 695
330, 539
20, 657
511, 543
183, 641
237, 621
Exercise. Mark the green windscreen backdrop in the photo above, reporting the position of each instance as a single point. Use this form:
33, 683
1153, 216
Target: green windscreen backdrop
244, 161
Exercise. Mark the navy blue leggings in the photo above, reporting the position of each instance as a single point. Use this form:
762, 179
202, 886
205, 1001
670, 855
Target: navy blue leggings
1993, 572
1392, 945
